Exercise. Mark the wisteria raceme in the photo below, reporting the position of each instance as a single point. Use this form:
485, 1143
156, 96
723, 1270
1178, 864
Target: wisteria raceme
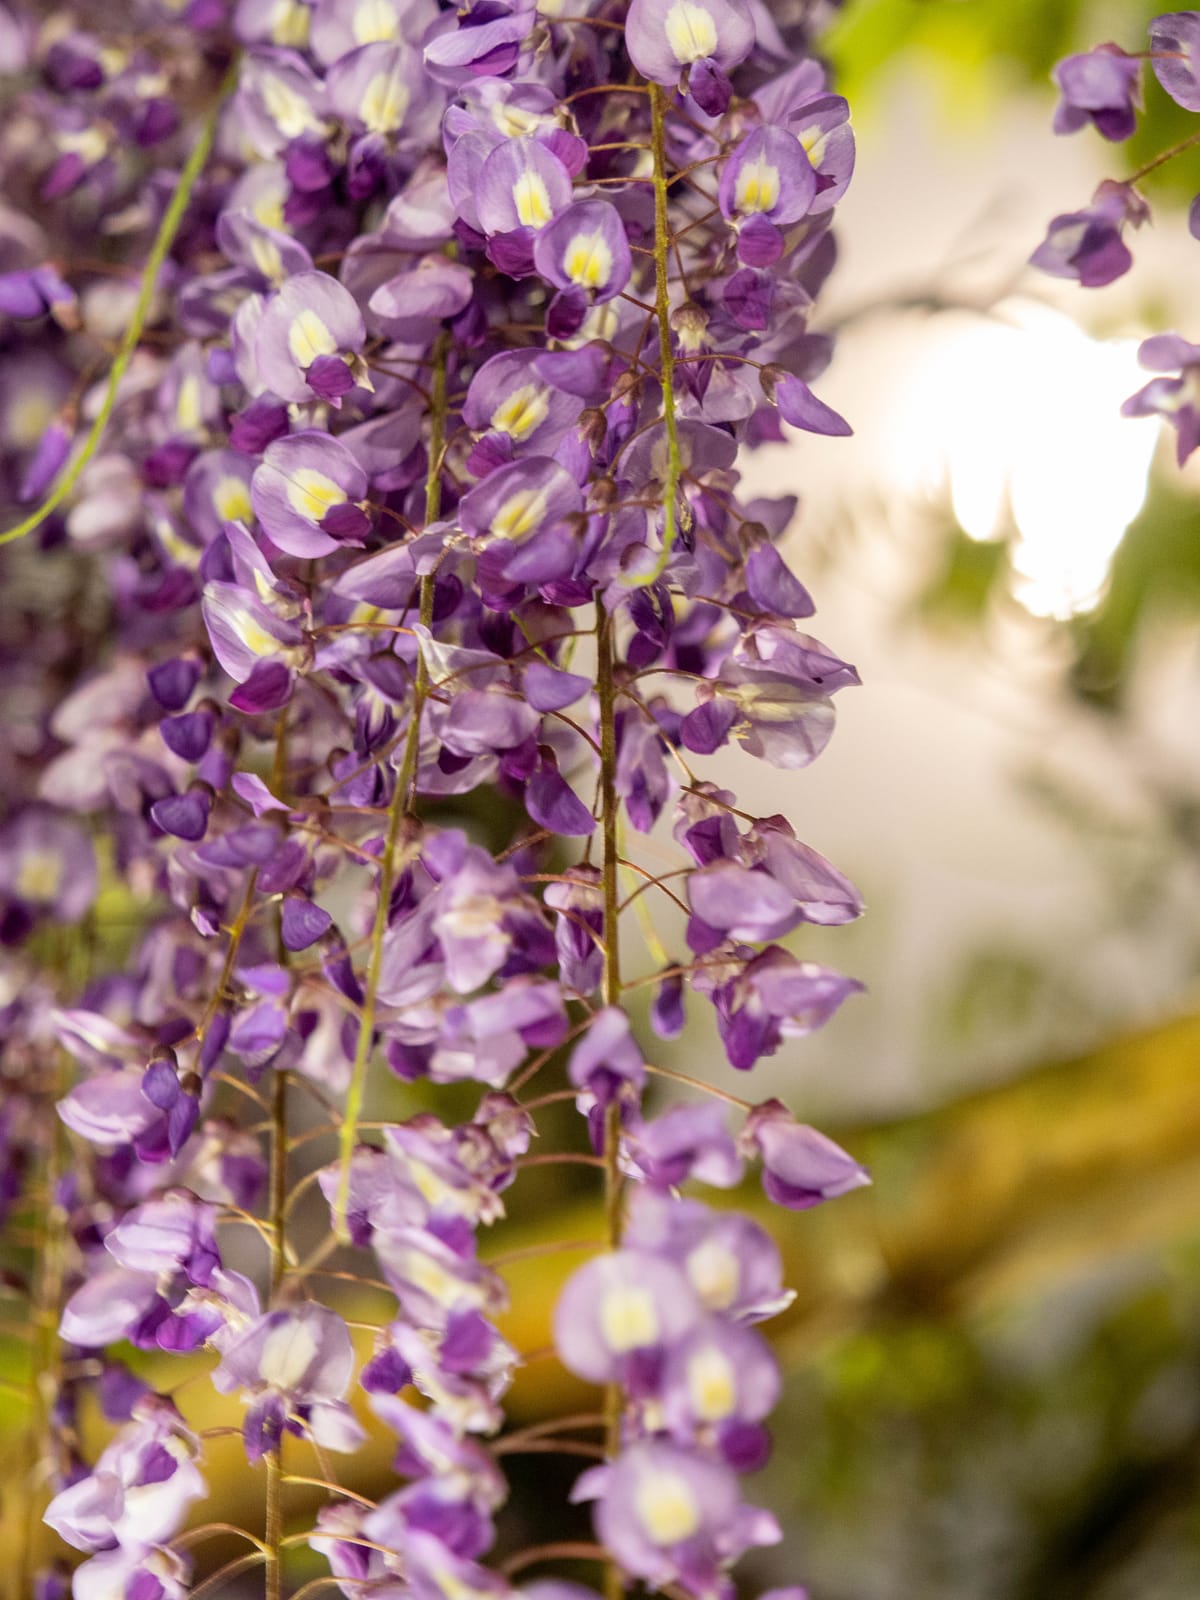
1102, 87
375, 377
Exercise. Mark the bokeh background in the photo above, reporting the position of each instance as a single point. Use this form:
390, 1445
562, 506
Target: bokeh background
994, 1387
994, 1356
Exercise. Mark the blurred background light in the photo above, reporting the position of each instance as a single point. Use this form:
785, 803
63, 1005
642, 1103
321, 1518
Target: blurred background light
1017, 416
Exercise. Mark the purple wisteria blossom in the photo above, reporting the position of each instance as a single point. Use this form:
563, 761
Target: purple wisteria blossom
1088, 245
766, 185
421, 583
1175, 56
1173, 398
296, 1365
1101, 87
696, 42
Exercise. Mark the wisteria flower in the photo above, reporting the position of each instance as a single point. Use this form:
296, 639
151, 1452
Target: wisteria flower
418, 554
308, 340
766, 185
1175, 56
697, 41
1173, 398
1088, 245
1100, 86
308, 494
296, 1365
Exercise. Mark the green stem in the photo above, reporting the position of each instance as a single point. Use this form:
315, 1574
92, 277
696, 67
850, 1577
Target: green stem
1161, 160
163, 240
606, 695
666, 352
273, 1531
400, 807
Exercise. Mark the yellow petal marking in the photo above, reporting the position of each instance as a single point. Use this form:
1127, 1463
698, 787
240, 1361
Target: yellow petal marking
531, 200
267, 258
188, 404
289, 23
384, 104
287, 1355
374, 22
312, 494
520, 514
289, 111
628, 1319
524, 410
231, 500
667, 1508
757, 186
29, 415
814, 142
308, 338
588, 260
714, 1273
711, 1385
691, 32
39, 877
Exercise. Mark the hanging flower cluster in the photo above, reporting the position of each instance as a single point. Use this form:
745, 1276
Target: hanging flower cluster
389, 494
1102, 87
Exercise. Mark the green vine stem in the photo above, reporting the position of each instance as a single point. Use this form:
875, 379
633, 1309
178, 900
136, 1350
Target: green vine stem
400, 807
666, 352
163, 240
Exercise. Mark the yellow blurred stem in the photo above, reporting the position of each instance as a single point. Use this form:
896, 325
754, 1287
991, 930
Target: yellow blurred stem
606, 695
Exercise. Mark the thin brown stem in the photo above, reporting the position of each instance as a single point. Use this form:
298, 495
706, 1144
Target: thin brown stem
537, 1252
563, 1550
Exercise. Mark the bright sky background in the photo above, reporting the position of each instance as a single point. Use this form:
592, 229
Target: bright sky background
922, 795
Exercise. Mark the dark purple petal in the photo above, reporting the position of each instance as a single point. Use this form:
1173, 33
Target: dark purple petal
302, 923
268, 687
184, 815
188, 736
554, 805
